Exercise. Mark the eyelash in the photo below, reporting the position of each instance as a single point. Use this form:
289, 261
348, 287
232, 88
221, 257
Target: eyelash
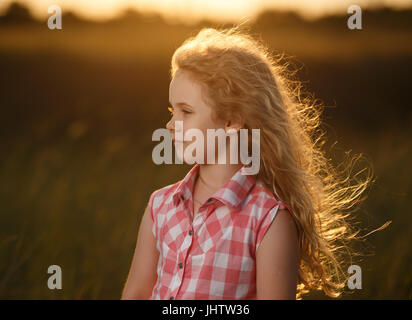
172, 111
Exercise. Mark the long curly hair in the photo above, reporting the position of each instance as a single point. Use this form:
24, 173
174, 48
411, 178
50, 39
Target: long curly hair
242, 79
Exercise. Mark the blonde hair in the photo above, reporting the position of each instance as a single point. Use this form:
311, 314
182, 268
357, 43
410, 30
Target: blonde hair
243, 80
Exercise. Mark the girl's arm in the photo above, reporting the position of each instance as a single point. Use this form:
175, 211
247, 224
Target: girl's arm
142, 275
277, 259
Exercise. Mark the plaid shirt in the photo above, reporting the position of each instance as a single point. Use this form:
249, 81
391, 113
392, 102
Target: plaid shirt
213, 256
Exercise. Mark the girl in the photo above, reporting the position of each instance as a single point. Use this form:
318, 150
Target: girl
220, 233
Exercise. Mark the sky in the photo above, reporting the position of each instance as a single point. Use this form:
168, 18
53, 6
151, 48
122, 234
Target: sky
189, 11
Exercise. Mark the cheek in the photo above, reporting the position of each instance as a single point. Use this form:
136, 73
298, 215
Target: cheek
209, 124
199, 122
202, 123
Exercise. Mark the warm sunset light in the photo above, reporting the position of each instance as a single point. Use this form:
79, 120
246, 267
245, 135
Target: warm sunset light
232, 150
193, 10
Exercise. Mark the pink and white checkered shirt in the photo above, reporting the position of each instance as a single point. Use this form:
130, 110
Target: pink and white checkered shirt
213, 256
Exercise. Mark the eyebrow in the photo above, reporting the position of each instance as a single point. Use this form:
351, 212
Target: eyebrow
182, 104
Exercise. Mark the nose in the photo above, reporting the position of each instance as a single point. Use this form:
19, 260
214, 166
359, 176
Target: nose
171, 125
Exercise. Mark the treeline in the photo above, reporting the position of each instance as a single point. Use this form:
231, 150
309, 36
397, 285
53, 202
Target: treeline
383, 17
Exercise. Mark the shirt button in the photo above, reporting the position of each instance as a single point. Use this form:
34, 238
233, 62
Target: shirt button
172, 298
190, 232
180, 265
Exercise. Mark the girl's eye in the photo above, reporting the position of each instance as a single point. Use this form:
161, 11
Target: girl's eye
183, 110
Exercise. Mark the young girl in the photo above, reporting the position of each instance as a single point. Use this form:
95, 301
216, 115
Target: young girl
220, 233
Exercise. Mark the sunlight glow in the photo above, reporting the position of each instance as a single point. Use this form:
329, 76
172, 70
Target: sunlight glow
190, 11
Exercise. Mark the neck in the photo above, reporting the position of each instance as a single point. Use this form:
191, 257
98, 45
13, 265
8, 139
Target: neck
216, 175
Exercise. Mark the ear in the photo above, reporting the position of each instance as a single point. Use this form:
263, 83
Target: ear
232, 126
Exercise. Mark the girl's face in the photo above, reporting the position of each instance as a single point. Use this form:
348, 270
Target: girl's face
188, 106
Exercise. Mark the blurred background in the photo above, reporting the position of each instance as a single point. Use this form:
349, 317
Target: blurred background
79, 105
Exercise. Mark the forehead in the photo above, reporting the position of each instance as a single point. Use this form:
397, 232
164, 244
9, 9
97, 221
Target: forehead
184, 89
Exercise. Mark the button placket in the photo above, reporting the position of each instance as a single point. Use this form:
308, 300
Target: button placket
181, 257
179, 274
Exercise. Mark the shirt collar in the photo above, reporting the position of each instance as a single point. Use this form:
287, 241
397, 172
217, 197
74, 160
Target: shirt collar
185, 188
231, 194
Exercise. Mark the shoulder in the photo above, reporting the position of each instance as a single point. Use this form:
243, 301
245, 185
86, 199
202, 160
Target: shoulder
162, 195
284, 225
263, 200
269, 212
278, 224
277, 259
281, 236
